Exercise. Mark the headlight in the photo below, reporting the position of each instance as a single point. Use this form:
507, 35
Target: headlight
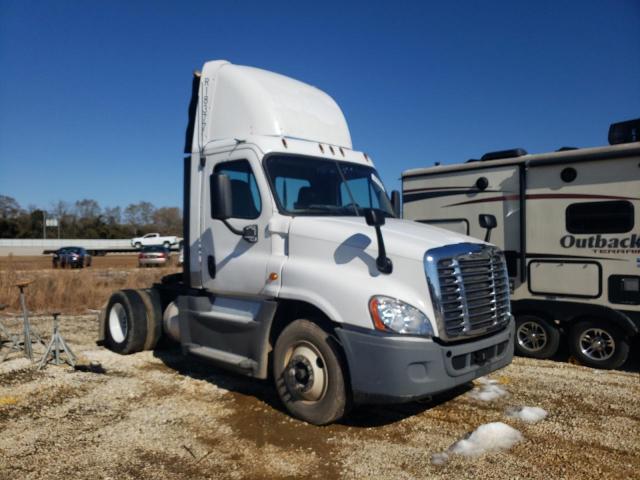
391, 315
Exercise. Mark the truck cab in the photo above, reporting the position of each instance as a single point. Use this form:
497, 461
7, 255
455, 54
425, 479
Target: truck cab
297, 268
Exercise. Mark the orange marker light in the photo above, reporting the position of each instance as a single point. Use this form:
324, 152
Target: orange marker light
375, 316
273, 276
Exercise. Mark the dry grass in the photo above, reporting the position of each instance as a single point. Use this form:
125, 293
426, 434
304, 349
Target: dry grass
70, 291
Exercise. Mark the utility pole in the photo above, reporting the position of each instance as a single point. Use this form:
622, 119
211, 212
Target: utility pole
44, 225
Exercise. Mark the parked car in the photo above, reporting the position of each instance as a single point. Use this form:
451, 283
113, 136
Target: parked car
72, 257
153, 256
154, 239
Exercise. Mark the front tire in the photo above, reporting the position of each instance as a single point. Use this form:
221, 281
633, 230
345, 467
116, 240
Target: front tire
126, 322
599, 344
308, 373
536, 337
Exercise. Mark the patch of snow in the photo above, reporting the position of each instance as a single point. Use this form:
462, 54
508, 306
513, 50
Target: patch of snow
488, 390
527, 414
439, 458
489, 437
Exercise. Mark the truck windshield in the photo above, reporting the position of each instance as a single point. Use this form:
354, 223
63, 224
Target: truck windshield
317, 186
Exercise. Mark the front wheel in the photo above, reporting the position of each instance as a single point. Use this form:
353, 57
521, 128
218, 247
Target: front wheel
308, 373
536, 337
598, 344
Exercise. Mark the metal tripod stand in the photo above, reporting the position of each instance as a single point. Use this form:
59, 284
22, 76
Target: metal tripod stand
56, 344
13, 340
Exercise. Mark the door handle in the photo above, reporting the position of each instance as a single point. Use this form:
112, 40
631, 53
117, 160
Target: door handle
250, 233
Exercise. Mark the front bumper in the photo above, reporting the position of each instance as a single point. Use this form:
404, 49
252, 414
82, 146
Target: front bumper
152, 261
395, 368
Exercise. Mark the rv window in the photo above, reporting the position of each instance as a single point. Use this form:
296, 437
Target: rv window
600, 217
244, 189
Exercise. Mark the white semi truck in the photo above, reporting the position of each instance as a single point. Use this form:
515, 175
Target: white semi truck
297, 268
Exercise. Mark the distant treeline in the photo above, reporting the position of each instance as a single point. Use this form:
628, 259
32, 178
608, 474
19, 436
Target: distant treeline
87, 219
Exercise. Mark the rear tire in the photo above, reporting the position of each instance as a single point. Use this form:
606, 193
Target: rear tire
309, 375
536, 337
126, 322
599, 344
153, 305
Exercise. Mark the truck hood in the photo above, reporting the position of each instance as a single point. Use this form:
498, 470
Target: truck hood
402, 238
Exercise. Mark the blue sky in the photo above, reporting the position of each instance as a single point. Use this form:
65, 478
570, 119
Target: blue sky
93, 94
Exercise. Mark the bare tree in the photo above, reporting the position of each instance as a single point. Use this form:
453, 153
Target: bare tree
168, 220
112, 215
9, 207
87, 208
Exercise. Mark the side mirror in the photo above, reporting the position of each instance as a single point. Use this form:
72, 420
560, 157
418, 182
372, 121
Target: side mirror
374, 217
395, 202
221, 199
488, 222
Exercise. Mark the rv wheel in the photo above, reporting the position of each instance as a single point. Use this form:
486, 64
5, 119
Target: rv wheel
126, 322
308, 373
536, 337
598, 344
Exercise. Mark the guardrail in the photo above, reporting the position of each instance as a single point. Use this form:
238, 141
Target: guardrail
38, 246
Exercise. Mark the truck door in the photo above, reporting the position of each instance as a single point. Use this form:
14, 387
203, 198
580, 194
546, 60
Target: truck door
231, 264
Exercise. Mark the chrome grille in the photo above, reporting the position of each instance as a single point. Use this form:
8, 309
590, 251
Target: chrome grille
469, 288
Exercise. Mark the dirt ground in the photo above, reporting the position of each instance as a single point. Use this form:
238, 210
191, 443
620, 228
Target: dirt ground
161, 415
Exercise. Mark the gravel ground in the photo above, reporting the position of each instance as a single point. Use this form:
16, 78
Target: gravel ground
160, 415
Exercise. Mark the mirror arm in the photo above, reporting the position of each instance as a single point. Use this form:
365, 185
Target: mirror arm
248, 233
231, 227
383, 262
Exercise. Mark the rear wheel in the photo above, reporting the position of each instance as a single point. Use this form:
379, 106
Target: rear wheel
308, 373
153, 305
138, 245
126, 322
536, 337
599, 344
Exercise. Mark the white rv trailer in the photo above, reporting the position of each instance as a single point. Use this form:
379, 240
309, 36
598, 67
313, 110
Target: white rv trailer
569, 224
286, 274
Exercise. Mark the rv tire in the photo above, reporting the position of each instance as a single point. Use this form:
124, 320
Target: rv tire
536, 337
598, 344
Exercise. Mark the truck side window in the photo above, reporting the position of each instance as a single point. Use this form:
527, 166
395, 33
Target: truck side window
244, 189
600, 217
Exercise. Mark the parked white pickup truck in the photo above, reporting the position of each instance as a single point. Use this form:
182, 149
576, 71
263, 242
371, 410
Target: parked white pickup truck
154, 239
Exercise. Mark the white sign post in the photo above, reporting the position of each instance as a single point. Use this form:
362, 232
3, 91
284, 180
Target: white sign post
53, 222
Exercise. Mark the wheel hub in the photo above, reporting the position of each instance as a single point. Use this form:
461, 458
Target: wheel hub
597, 344
305, 374
531, 337
299, 375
